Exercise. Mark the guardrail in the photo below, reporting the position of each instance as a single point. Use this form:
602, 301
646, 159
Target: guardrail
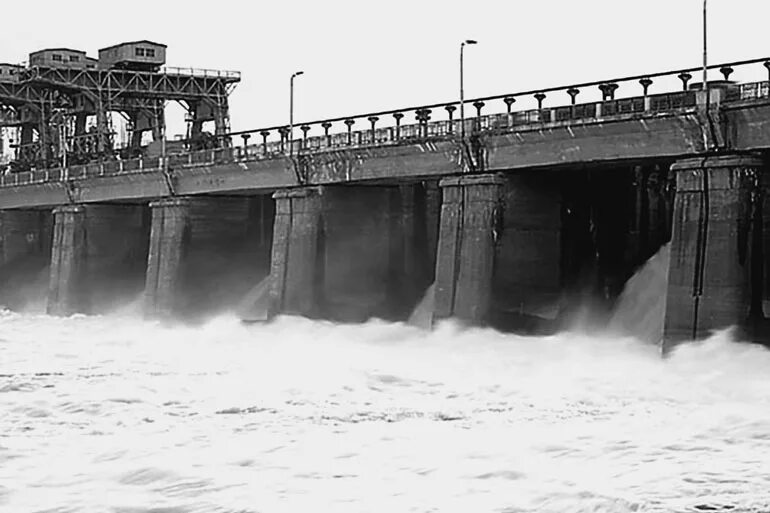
270, 146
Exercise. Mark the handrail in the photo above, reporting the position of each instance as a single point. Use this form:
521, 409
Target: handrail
502, 96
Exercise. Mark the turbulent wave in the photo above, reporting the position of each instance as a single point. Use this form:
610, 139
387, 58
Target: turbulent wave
116, 414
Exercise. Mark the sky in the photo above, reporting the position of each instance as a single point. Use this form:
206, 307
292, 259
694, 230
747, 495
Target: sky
364, 56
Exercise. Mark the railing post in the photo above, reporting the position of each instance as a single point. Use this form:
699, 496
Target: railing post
398, 116
245, 138
573, 92
304, 129
349, 122
373, 120
141, 163
422, 121
646, 83
766, 64
684, 77
326, 126
608, 91
264, 134
726, 71
540, 97
120, 166
450, 110
284, 132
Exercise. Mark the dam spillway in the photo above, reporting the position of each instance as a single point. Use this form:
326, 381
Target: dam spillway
529, 221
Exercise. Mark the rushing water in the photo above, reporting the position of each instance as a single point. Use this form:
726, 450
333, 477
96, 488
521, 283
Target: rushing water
115, 414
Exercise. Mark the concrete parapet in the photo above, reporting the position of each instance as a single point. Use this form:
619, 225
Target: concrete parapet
714, 222
466, 248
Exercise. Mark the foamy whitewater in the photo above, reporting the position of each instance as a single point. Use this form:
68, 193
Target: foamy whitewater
117, 414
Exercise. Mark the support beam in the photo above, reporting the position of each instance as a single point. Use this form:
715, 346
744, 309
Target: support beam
710, 278
296, 272
466, 247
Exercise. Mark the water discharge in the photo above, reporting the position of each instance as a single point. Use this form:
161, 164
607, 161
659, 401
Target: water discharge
117, 414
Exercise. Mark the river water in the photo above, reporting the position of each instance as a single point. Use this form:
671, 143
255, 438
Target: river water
117, 414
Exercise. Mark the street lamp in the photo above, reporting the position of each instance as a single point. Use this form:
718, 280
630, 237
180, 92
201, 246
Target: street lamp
462, 90
291, 107
705, 48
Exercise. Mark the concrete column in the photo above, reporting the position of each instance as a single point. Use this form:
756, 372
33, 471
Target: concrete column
169, 237
466, 246
709, 283
294, 268
66, 291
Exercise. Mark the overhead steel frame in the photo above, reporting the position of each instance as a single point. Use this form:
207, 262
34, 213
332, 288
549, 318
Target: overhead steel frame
45, 98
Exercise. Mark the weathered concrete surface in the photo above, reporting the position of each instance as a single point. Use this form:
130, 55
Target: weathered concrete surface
709, 275
633, 138
527, 276
296, 270
747, 127
205, 254
97, 257
254, 176
470, 226
392, 163
32, 196
170, 231
25, 250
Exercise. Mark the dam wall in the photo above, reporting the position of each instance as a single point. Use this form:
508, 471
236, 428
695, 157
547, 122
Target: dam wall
532, 251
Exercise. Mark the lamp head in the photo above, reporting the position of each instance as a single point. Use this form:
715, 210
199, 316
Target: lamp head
470, 42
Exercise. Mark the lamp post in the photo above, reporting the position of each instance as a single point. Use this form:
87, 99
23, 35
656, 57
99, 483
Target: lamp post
291, 108
462, 90
705, 48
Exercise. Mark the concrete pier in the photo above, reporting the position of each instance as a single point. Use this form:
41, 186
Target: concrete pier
169, 235
97, 257
470, 222
710, 278
66, 293
295, 269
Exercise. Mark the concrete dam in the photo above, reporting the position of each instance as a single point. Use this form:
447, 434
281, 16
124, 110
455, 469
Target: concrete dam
523, 220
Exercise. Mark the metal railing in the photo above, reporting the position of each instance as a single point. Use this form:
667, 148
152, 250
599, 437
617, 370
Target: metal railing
273, 142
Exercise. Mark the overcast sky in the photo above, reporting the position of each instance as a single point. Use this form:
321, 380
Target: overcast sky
361, 56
